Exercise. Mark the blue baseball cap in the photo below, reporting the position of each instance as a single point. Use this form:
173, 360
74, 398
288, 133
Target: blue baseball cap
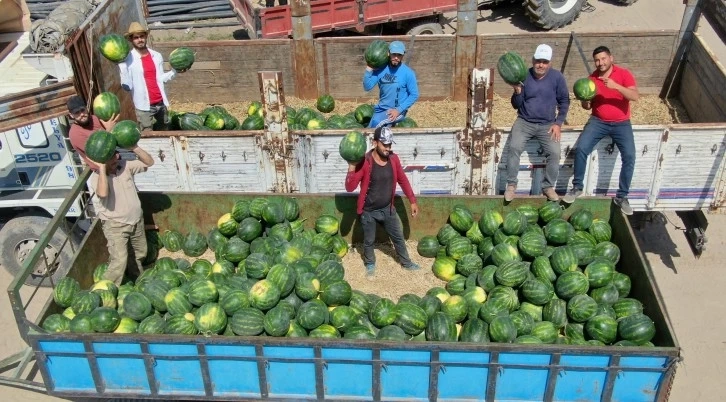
397, 47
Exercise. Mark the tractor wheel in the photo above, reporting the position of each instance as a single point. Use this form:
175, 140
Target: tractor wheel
551, 14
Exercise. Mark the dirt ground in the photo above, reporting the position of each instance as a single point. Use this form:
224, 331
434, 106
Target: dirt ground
691, 287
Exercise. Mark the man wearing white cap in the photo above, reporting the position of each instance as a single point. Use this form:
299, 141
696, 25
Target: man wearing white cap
542, 102
378, 174
398, 87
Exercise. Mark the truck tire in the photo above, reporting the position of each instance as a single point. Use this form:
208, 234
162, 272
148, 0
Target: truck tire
427, 28
551, 14
17, 239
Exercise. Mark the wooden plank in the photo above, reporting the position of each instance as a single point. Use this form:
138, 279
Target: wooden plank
715, 13
703, 79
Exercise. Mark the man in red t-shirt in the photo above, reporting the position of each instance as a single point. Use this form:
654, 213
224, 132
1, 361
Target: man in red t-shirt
616, 88
85, 125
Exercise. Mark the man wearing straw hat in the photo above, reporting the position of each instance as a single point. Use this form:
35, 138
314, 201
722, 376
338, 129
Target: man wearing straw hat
142, 74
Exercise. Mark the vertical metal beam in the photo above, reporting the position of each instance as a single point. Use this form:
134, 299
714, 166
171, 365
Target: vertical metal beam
479, 138
304, 61
689, 24
278, 142
465, 47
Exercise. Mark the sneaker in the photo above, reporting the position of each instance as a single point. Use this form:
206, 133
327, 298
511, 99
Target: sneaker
509, 193
571, 195
412, 267
550, 193
370, 269
624, 205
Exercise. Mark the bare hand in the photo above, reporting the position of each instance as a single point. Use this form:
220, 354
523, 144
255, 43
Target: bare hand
414, 210
517, 88
110, 123
392, 114
555, 132
609, 83
369, 68
586, 105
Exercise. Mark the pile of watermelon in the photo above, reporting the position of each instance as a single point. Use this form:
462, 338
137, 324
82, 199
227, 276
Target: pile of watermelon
533, 277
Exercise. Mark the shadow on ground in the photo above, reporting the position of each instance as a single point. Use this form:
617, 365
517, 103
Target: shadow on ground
651, 232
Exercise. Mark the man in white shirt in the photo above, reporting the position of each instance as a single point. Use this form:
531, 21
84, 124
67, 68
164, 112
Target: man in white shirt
117, 205
142, 74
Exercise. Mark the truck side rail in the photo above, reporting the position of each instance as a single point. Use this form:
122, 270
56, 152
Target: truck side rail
35, 105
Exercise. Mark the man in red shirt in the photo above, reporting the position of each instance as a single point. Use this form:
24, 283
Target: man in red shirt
378, 174
616, 88
142, 74
85, 125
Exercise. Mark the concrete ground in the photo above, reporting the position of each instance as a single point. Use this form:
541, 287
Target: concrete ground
692, 287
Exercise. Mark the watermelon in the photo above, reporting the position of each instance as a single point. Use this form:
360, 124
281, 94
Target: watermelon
65, 290
202, 291
527, 339
537, 291
532, 310
581, 308
461, 219
276, 322
191, 122
172, 240
505, 252
247, 321
195, 244
85, 301
327, 224
383, 312
312, 314
411, 318
600, 230
563, 259
502, 329
343, 318
602, 328
469, 264
514, 223
105, 319
532, 244
511, 273
555, 311
325, 103
455, 307
428, 246
441, 328
549, 211
407, 122
557, 231
177, 302
447, 233
325, 331
490, 221
523, 321
181, 325
264, 295
606, 295
456, 285
235, 250
252, 123
459, 247
127, 133
249, 229
545, 331
81, 323
627, 306
444, 268
474, 330
181, 58
114, 47
363, 114
570, 284
241, 210
56, 323
376, 54
101, 146
137, 306
511, 68
584, 89
392, 333
607, 250
105, 105
126, 326
622, 283
637, 328
336, 293
255, 109
581, 219
600, 272
153, 324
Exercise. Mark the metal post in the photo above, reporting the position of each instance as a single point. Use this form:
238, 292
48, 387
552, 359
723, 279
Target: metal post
479, 139
303, 48
466, 44
278, 142
689, 24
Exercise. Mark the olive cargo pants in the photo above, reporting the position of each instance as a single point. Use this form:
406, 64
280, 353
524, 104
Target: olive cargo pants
124, 241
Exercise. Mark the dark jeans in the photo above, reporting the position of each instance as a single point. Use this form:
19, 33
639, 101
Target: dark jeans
622, 134
392, 223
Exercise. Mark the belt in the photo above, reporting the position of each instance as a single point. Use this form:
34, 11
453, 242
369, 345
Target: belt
157, 104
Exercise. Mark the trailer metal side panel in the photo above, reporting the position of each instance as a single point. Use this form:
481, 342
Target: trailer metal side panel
227, 164
169, 172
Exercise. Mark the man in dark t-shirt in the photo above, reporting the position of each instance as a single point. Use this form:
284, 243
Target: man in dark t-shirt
378, 174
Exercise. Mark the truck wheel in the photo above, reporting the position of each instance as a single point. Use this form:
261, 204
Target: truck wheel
551, 14
429, 28
20, 235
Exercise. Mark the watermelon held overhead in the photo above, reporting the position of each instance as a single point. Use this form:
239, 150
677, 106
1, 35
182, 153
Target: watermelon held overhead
181, 58
101, 146
584, 89
127, 133
511, 68
353, 147
114, 47
105, 105
376, 54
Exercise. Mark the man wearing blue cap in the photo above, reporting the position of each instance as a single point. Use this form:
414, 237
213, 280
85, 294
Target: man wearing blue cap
398, 87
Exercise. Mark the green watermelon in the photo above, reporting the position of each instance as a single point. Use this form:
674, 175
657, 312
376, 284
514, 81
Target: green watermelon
101, 146
474, 330
127, 133
65, 290
581, 219
511, 68
490, 221
637, 328
545, 331
550, 210
363, 114
114, 47
172, 240
441, 328
444, 268
327, 224
584, 89
195, 244
600, 230
153, 324
383, 312
55, 323
252, 123
461, 219
557, 231
428, 246
411, 318
264, 295
581, 308
105, 105
325, 103
312, 314
502, 329
181, 58
570, 284
105, 319
181, 325
247, 321
343, 318
191, 122
376, 54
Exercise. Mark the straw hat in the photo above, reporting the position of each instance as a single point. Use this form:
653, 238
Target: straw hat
135, 28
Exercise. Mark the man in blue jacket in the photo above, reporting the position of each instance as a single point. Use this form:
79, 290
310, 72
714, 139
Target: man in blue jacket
398, 87
542, 93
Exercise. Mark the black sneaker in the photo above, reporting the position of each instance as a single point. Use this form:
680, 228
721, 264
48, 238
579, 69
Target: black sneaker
624, 205
572, 195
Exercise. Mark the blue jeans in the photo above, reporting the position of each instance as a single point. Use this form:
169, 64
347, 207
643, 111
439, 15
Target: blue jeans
380, 118
523, 131
622, 134
392, 223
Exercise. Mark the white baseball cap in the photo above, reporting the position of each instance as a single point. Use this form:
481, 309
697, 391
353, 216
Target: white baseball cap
543, 52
